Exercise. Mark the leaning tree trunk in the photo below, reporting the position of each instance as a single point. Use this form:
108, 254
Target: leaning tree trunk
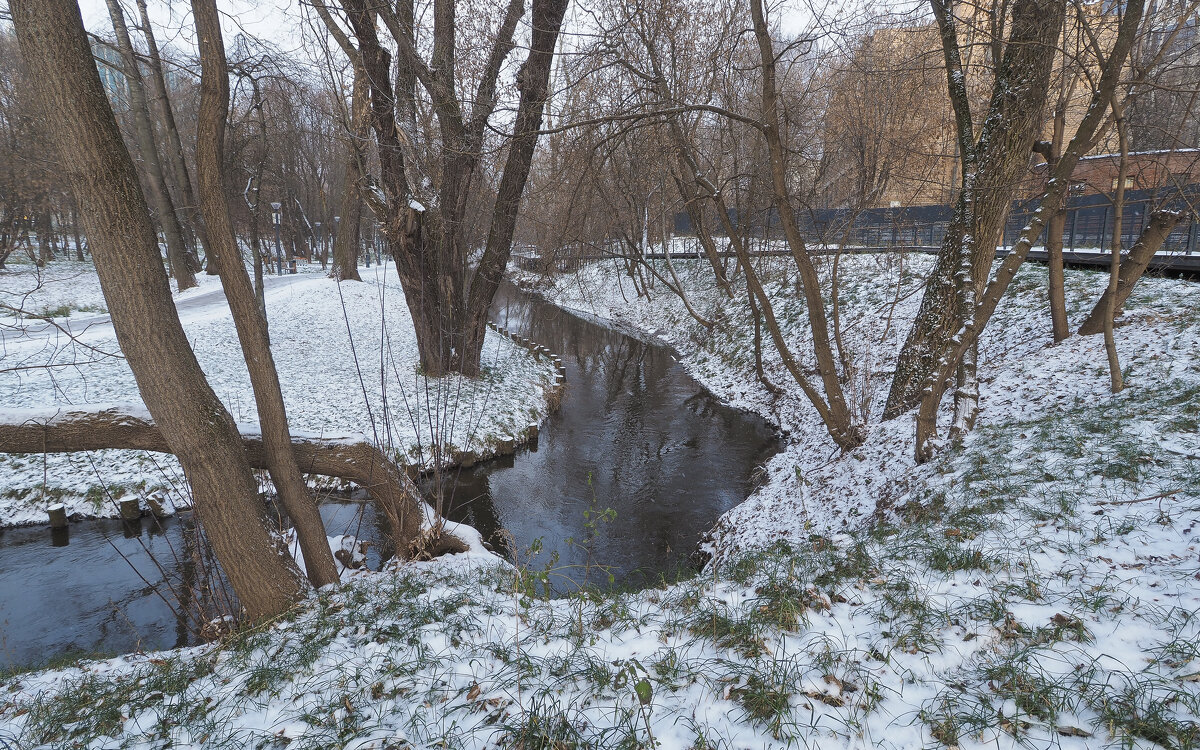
177, 253
247, 317
194, 422
1001, 157
177, 165
1052, 200
351, 458
1160, 225
533, 83
835, 413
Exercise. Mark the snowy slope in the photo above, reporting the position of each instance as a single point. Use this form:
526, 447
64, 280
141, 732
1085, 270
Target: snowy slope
347, 360
1036, 586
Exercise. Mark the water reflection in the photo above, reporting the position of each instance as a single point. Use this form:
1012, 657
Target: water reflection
113, 586
635, 434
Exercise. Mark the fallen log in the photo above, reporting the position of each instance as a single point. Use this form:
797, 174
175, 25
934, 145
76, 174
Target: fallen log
1136, 261
129, 427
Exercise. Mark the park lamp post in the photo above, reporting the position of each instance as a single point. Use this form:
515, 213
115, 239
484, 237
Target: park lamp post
337, 223
320, 249
275, 215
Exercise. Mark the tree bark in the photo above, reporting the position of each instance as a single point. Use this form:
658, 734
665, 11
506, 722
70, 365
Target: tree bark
194, 422
177, 252
345, 243
533, 83
839, 420
247, 317
1055, 228
993, 168
1057, 188
174, 146
1056, 275
355, 460
1133, 267
1116, 378
423, 227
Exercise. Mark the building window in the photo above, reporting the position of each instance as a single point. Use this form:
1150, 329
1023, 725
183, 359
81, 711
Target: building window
1128, 183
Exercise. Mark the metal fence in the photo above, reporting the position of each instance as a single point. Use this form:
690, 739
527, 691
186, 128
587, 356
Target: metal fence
1089, 222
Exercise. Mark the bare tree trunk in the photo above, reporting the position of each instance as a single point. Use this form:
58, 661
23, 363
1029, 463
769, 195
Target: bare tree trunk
423, 226
533, 83
67, 431
1059, 327
255, 186
45, 244
193, 421
345, 243
1116, 379
1054, 243
177, 165
992, 170
1056, 190
176, 250
251, 325
1052, 152
1135, 264
836, 414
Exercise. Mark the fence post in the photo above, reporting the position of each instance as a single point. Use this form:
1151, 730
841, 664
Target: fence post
1192, 234
1074, 218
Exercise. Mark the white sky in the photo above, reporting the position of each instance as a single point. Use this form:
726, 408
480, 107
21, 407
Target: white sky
278, 21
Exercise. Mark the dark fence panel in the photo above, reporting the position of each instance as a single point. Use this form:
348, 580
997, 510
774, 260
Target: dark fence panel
1089, 222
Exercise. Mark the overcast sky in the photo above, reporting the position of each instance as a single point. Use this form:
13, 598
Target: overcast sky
277, 21
280, 21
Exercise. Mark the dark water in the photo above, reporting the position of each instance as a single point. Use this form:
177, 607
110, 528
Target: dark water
634, 434
96, 586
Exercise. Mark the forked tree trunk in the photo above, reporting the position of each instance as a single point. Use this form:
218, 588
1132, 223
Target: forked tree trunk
1052, 200
839, 421
247, 317
116, 428
424, 231
181, 261
1133, 267
193, 420
1001, 157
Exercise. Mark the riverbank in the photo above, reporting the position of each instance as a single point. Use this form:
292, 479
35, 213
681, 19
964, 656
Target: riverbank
809, 487
347, 360
1036, 585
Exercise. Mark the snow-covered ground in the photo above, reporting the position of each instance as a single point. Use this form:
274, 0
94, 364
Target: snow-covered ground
347, 360
1024, 376
1036, 585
